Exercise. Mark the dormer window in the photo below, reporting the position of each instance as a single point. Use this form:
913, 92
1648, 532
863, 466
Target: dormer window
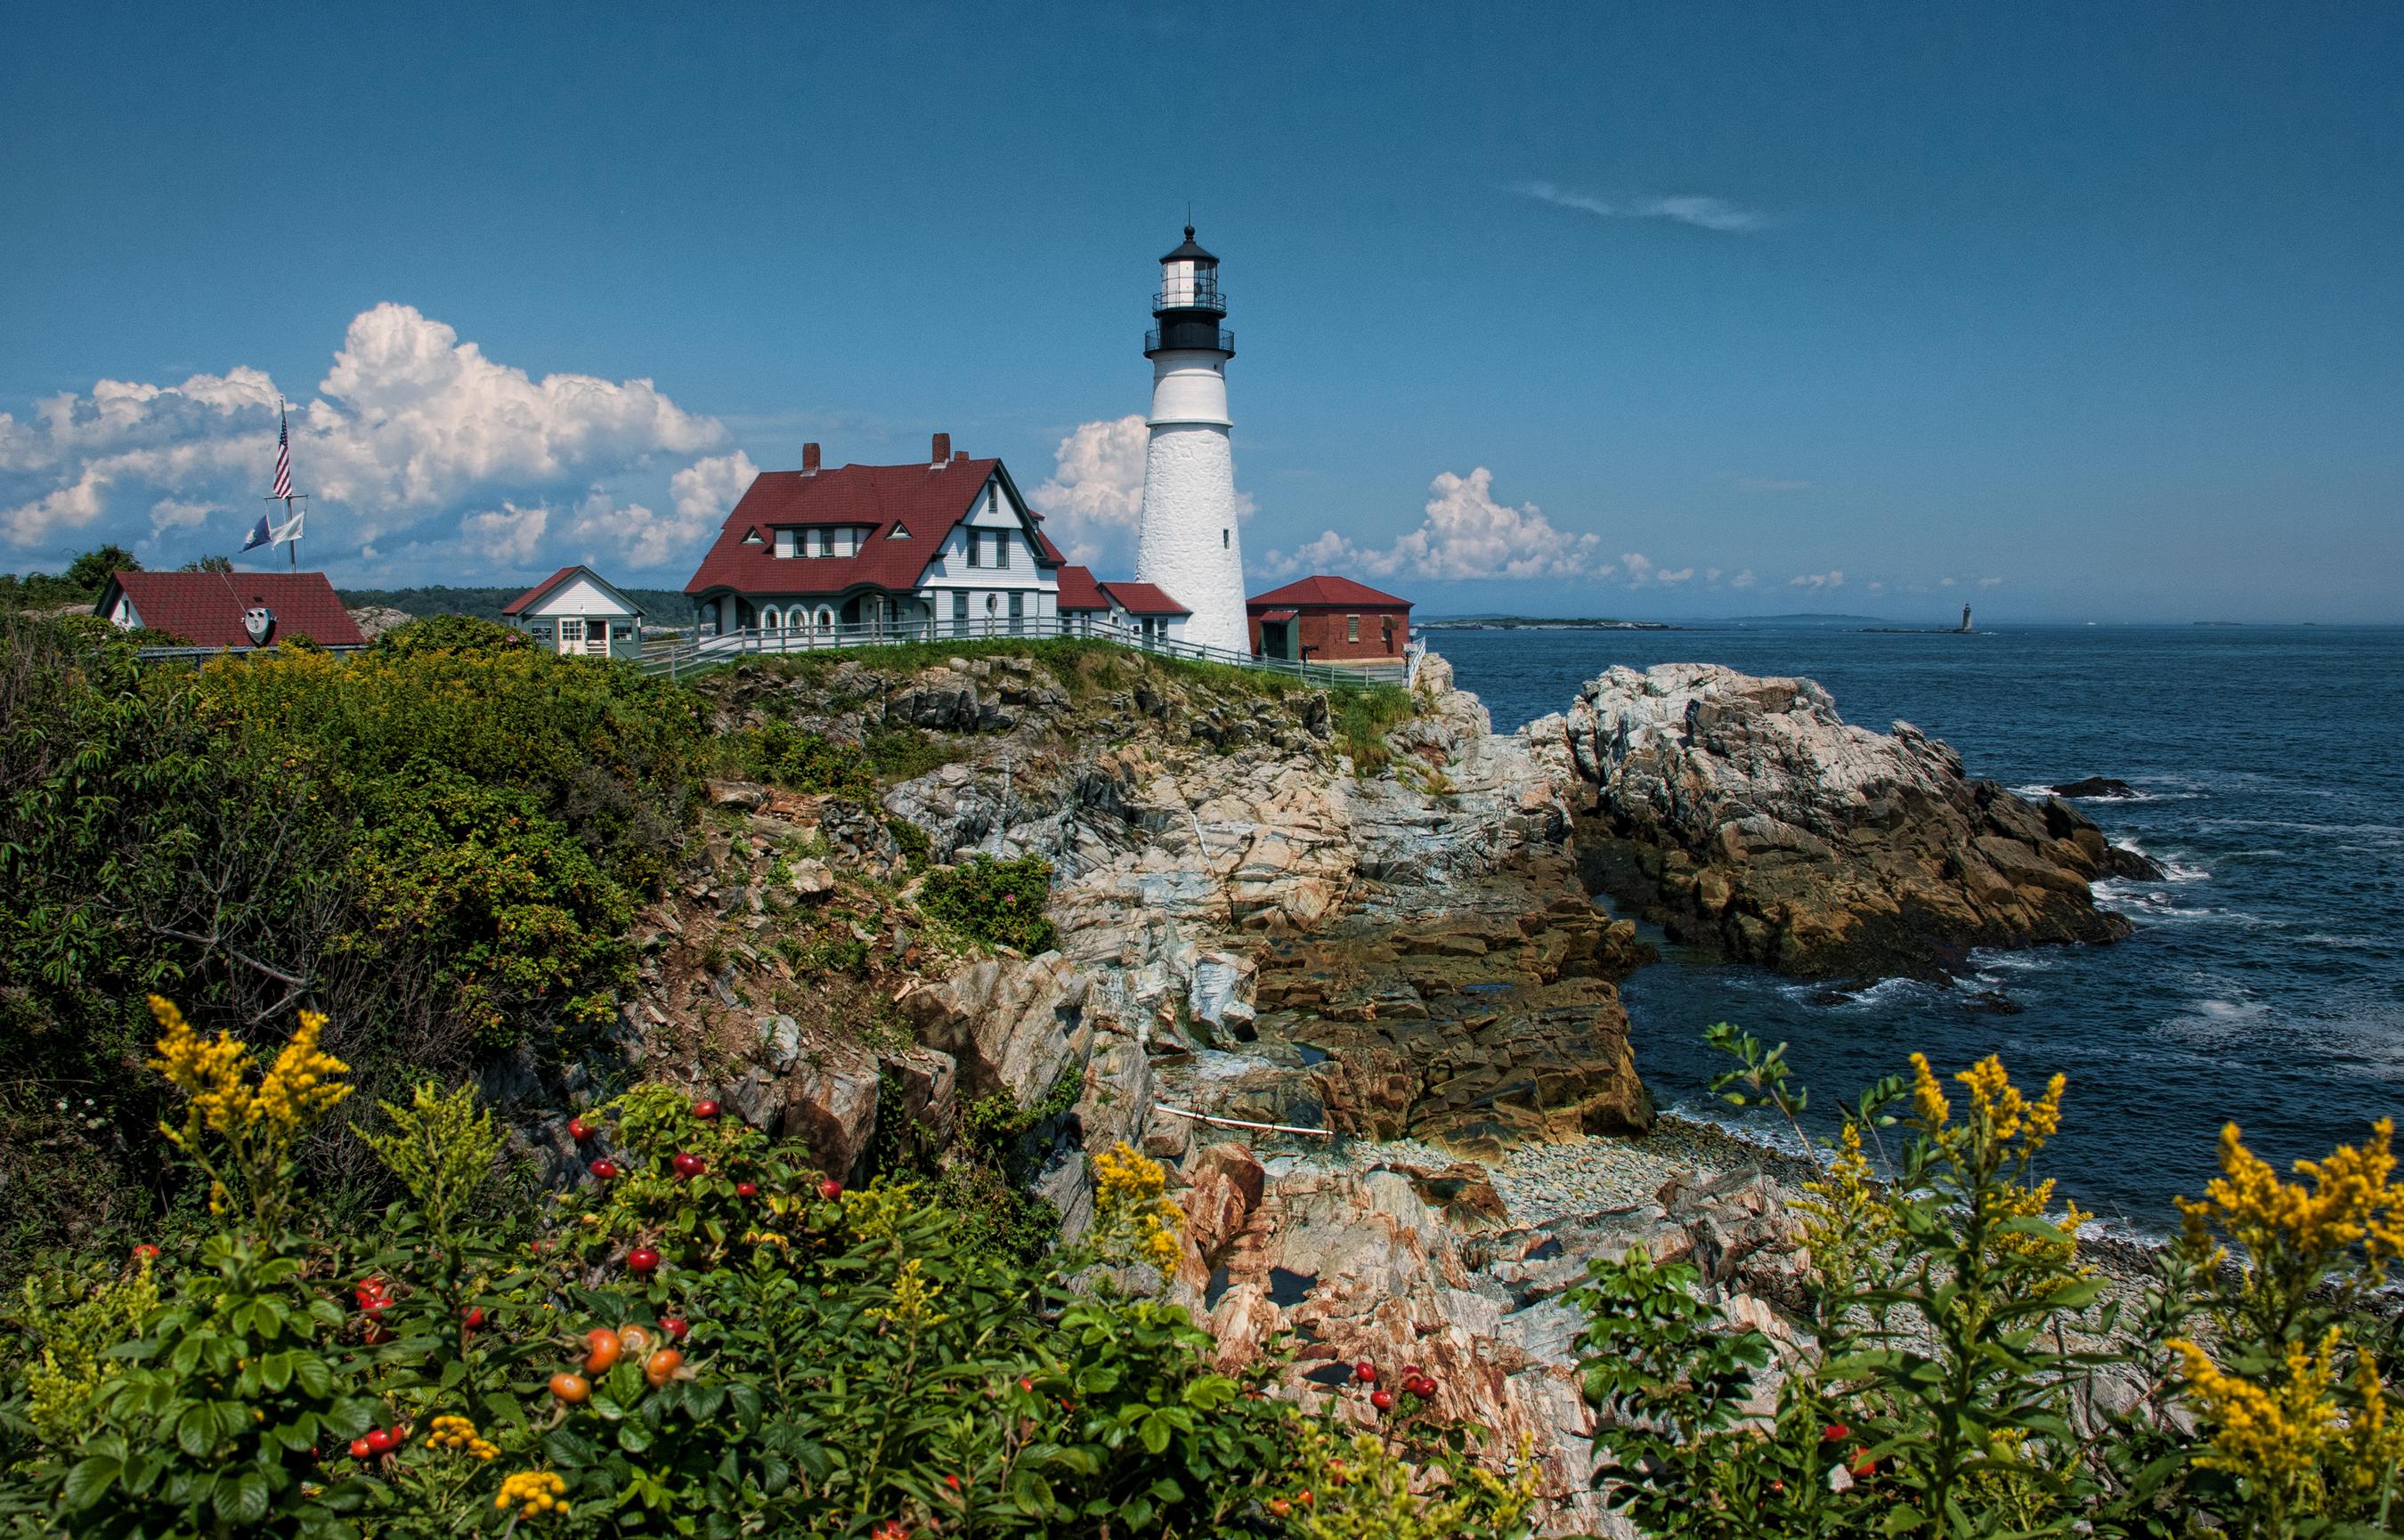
751, 537
898, 531
826, 542
785, 544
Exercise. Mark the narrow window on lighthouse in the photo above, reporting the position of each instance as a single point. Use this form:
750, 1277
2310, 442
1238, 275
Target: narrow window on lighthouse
1224, 541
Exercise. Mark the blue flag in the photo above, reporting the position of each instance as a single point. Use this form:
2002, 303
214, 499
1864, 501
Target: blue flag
262, 536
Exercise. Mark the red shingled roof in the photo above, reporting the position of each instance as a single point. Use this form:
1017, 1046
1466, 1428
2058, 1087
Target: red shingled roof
206, 608
1143, 599
1079, 591
928, 501
1325, 592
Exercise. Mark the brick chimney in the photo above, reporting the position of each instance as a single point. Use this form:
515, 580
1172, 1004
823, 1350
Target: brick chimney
809, 459
943, 455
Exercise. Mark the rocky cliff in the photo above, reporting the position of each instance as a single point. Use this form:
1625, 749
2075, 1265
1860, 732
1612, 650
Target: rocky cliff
1253, 927
1744, 812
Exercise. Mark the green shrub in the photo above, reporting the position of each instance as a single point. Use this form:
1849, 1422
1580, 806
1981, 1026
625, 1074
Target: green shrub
996, 902
520, 924
899, 753
439, 839
448, 634
1362, 719
788, 756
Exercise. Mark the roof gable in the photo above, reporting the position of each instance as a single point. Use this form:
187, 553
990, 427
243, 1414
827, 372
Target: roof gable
206, 608
534, 597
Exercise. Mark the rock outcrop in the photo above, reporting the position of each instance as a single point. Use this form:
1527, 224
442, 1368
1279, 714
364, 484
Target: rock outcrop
1745, 813
1398, 1262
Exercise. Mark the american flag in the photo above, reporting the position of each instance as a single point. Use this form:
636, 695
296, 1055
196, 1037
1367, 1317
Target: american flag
282, 456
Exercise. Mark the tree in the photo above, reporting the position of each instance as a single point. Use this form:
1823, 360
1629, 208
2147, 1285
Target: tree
91, 571
208, 563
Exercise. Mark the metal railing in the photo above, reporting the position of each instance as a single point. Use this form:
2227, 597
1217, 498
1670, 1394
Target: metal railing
1200, 296
684, 657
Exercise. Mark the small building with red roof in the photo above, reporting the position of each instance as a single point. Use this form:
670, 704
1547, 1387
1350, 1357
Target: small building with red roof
944, 546
1150, 613
239, 610
1328, 619
577, 612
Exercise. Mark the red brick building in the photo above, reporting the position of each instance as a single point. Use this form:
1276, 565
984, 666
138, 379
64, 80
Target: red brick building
1325, 619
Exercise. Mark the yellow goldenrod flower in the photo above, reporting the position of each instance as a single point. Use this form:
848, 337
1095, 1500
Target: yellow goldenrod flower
914, 1300
1134, 1214
2271, 1435
1927, 1096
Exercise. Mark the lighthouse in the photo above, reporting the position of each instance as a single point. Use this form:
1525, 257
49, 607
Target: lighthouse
1190, 545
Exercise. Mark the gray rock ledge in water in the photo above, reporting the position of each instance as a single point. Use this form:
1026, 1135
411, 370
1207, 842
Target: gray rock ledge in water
1745, 813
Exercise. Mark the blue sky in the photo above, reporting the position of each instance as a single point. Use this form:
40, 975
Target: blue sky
2079, 313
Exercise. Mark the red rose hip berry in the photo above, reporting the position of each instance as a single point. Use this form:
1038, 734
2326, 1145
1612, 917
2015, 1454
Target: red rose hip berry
689, 1165
1365, 1372
746, 1189
829, 1190
643, 1259
603, 1170
579, 1131
705, 1109
1382, 1399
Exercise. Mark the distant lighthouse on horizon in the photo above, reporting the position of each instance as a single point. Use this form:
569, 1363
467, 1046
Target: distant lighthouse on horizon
1189, 546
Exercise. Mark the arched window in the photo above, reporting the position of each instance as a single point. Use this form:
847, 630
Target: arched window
826, 618
770, 619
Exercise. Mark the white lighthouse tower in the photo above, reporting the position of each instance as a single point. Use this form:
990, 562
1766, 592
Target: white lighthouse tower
1190, 547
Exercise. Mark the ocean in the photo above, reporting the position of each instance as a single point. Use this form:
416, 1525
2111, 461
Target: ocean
2265, 982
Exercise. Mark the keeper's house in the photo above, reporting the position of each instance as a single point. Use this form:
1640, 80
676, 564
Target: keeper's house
1325, 619
239, 610
576, 612
943, 548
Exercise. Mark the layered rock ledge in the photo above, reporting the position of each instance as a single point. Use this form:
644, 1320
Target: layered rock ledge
1745, 813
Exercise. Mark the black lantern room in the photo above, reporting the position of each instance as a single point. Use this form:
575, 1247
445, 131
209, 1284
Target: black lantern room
1189, 305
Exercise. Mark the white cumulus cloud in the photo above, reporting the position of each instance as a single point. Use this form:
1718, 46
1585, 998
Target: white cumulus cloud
1641, 569
1466, 534
1093, 501
1817, 582
704, 493
507, 535
413, 435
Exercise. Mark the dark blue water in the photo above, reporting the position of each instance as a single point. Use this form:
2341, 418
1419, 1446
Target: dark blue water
2265, 982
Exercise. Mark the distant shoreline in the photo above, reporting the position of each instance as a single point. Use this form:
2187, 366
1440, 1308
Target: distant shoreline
1523, 622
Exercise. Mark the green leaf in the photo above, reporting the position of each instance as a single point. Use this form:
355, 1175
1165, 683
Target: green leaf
315, 1379
196, 1431
89, 1481
245, 1501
